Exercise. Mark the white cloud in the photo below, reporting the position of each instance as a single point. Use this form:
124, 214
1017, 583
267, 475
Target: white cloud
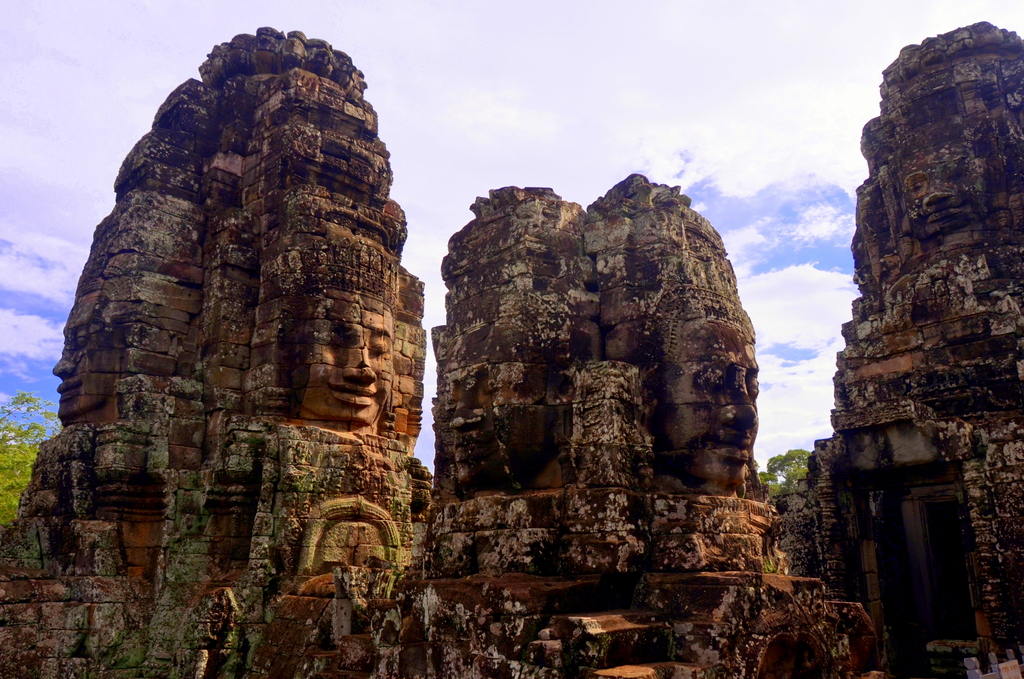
795, 402
816, 223
800, 306
39, 264
29, 337
798, 310
821, 221
492, 118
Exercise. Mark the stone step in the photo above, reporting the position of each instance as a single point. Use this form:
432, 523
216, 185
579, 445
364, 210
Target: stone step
612, 638
702, 636
353, 656
660, 670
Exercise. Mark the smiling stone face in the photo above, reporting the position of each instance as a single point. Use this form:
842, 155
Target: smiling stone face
539, 291
670, 307
89, 374
519, 315
943, 155
706, 421
348, 383
951, 189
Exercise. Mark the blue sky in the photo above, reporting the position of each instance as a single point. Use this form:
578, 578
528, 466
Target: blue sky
754, 108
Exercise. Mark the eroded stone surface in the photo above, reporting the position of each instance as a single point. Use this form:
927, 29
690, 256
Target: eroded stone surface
234, 496
241, 389
929, 408
595, 419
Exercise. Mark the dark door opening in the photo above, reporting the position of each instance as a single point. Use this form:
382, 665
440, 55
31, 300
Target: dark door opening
938, 564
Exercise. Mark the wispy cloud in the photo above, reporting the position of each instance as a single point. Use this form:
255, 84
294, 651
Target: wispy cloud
814, 224
795, 401
800, 306
38, 264
492, 117
798, 314
29, 337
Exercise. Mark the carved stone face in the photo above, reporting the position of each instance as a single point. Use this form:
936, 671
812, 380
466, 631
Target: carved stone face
85, 395
89, 367
705, 426
349, 375
478, 458
949, 190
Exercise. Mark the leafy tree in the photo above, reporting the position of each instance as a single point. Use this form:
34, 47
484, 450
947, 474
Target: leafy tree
785, 470
25, 421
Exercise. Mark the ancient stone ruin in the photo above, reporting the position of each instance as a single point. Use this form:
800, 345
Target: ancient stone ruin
595, 418
241, 389
234, 493
914, 506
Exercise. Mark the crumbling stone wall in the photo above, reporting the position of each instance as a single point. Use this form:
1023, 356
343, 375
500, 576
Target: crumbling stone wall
595, 418
241, 385
928, 390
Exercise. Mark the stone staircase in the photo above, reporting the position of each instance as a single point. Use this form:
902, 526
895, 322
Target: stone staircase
618, 644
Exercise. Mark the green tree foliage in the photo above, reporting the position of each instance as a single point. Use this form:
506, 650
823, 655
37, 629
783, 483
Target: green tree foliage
785, 470
25, 421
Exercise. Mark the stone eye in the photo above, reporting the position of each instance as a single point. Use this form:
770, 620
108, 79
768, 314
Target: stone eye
711, 379
379, 344
347, 335
736, 379
76, 340
917, 184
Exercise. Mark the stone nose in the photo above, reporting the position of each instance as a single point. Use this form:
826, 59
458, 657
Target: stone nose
65, 367
361, 374
738, 417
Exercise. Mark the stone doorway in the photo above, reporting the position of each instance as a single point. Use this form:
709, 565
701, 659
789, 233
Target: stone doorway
938, 563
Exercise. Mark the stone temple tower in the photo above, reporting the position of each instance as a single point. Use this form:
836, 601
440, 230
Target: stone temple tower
595, 419
914, 506
241, 386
